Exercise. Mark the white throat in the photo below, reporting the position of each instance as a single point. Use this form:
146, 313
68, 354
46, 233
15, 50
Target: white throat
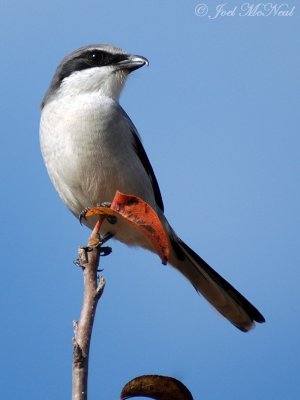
104, 81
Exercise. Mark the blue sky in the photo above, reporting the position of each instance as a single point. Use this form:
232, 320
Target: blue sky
218, 110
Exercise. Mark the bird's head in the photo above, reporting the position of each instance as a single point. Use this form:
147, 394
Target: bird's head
94, 68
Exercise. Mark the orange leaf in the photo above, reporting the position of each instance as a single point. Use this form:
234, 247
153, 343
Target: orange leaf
140, 215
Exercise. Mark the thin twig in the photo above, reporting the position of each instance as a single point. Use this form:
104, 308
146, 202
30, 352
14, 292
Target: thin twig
93, 288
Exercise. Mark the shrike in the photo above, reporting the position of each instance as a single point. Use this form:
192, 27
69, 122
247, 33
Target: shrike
92, 149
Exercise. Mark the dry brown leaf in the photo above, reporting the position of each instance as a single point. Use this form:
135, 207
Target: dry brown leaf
140, 215
156, 387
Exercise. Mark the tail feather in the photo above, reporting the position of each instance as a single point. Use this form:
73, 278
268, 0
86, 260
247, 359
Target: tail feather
217, 291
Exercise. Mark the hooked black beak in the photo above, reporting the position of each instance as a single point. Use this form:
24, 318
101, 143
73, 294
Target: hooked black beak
132, 62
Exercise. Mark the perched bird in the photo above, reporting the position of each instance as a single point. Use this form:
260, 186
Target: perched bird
92, 149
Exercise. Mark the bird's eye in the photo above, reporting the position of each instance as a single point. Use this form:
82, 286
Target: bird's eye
96, 57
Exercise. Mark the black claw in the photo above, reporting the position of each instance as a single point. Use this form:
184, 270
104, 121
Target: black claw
105, 251
112, 219
106, 237
82, 215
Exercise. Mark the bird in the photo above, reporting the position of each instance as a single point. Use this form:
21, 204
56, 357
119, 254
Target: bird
92, 149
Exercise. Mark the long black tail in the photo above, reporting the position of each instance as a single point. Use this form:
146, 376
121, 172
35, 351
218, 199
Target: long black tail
224, 297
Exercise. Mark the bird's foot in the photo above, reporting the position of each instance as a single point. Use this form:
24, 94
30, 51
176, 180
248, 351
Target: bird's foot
105, 251
106, 204
82, 215
105, 238
110, 218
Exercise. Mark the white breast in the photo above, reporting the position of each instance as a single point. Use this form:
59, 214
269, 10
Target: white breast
88, 150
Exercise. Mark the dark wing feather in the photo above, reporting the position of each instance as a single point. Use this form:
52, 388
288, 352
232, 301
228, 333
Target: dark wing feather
141, 153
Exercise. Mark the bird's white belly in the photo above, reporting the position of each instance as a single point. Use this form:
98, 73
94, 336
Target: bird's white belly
89, 155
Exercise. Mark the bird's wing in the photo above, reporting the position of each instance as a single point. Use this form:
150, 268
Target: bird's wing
142, 155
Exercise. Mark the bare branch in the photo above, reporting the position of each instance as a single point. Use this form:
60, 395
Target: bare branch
93, 288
